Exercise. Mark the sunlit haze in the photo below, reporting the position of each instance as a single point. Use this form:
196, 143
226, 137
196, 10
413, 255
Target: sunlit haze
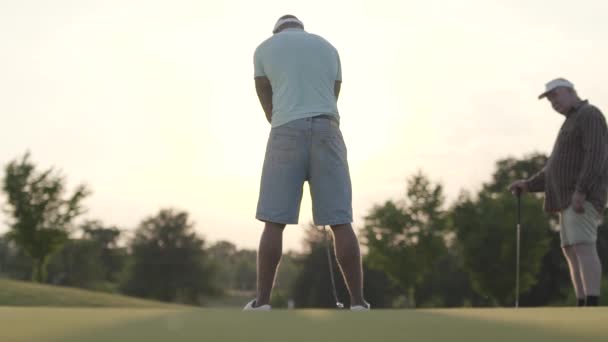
152, 103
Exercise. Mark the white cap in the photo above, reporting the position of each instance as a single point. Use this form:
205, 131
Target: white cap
281, 22
556, 83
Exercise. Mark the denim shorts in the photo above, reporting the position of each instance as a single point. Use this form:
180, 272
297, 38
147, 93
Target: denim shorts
313, 150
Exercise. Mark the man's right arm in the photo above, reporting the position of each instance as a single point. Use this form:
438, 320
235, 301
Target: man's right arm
262, 84
264, 91
536, 183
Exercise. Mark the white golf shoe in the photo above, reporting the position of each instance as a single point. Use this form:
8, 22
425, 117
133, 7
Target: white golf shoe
366, 307
250, 307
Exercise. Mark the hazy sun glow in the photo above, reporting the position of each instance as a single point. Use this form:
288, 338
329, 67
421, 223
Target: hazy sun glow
152, 103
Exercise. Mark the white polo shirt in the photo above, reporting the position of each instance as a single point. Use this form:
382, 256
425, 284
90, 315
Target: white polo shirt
302, 69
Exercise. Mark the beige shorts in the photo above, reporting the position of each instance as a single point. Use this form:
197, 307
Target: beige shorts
579, 228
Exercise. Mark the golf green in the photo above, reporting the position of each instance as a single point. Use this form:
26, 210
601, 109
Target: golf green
124, 324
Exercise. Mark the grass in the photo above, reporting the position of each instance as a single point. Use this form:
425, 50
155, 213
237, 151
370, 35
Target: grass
231, 299
151, 325
19, 293
33, 312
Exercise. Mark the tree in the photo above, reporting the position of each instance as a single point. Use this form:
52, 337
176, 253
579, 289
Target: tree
244, 271
94, 261
112, 257
485, 229
312, 286
77, 264
224, 253
41, 213
307, 279
511, 169
447, 285
553, 280
238, 266
14, 263
289, 269
408, 238
169, 262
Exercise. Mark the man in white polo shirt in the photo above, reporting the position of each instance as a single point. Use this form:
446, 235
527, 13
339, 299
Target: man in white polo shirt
297, 79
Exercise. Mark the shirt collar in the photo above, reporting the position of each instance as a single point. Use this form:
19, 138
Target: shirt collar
577, 106
292, 29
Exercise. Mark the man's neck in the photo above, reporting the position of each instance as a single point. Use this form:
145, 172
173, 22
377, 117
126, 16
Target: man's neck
574, 108
293, 28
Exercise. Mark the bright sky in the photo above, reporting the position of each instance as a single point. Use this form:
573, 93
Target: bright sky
152, 104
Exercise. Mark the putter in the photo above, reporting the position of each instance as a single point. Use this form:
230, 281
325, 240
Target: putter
339, 304
518, 194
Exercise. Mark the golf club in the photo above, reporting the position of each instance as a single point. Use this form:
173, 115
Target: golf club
518, 194
339, 304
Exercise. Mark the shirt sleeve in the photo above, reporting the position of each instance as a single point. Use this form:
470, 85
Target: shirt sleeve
595, 148
536, 183
258, 66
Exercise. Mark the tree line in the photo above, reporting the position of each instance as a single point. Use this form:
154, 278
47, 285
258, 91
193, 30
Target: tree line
418, 251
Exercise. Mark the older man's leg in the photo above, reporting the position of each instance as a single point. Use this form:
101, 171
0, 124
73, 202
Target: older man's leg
591, 271
575, 274
349, 259
269, 256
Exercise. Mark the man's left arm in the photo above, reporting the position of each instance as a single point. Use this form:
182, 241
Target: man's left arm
337, 86
593, 134
264, 91
338, 82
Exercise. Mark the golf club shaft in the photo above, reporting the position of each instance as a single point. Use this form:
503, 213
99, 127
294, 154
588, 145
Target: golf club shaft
517, 272
517, 250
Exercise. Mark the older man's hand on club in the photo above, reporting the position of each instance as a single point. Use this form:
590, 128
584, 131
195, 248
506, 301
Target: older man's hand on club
518, 187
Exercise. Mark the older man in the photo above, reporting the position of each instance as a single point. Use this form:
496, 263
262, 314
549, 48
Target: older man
575, 182
297, 78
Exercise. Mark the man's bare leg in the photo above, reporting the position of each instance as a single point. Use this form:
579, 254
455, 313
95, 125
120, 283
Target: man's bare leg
591, 271
349, 259
575, 273
269, 256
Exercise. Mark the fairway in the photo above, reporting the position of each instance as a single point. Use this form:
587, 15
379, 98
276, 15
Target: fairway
22, 293
121, 324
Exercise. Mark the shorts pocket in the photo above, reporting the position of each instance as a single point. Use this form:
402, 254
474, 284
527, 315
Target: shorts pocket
336, 149
283, 148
